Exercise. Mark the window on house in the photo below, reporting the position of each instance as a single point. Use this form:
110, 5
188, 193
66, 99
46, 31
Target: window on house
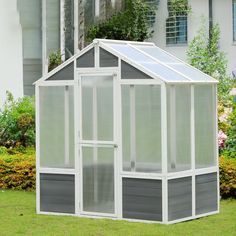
234, 20
176, 23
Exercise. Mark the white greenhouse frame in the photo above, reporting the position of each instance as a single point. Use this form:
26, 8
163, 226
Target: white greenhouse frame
116, 143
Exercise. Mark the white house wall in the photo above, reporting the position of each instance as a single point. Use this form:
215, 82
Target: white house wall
222, 14
11, 75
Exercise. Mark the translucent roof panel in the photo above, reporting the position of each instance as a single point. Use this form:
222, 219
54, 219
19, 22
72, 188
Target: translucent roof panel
158, 54
148, 57
191, 72
164, 72
147, 62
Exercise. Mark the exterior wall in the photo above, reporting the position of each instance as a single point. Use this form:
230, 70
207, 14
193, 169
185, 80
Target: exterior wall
30, 19
11, 77
222, 14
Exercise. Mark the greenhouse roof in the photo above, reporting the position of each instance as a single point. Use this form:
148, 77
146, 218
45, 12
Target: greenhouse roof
148, 58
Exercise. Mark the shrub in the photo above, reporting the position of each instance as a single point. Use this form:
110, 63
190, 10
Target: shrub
54, 60
131, 23
17, 122
227, 177
18, 171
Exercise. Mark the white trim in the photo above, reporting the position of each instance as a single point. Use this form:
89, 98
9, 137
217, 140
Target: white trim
123, 42
192, 132
56, 83
37, 124
62, 171
140, 82
164, 154
141, 175
62, 29
44, 38
76, 26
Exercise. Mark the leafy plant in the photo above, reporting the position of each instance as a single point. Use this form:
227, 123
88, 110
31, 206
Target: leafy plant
18, 171
204, 54
178, 7
54, 60
17, 122
227, 177
131, 23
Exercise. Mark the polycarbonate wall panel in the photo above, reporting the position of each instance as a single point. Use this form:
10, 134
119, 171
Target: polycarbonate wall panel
107, 59
86, 60
66, 73
205, 125
206, 193
141, 128
142, 199
97, 108
179, 198
56, 141
179, 127
98, 179
130, 72
57, 193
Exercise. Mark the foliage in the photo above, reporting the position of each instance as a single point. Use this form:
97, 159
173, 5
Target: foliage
54, 60
227, 177
205, 55
178, 7
131, 23
18, 171
17, 122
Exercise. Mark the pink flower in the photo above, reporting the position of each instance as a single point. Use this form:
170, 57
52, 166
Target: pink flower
221, 139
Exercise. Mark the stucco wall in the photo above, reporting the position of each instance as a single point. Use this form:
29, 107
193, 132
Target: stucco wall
222, 14
11, 66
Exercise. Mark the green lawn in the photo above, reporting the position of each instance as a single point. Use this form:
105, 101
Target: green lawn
17, 217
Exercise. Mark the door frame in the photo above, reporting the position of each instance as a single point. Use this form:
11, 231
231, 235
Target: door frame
79, 142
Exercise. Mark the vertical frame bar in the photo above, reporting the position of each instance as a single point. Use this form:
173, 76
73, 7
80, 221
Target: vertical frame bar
164, 153
44, 37
76, 25
215, 99
62, 29
192, 115
118, 123
37, 123
76, 140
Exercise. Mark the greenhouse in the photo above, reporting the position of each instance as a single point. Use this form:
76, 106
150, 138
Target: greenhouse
127, 131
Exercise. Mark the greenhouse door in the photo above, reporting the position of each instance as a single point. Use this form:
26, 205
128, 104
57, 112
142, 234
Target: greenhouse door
97, 145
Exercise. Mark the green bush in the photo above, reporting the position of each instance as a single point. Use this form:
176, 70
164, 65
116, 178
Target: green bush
131, 23
17, 122
227, 177
18, 171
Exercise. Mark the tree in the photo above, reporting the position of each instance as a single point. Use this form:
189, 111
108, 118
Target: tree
204, 54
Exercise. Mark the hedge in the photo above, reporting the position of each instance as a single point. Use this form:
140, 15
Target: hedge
17, 171
227, 177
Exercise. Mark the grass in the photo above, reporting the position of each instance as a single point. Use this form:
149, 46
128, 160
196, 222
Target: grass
17, 217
